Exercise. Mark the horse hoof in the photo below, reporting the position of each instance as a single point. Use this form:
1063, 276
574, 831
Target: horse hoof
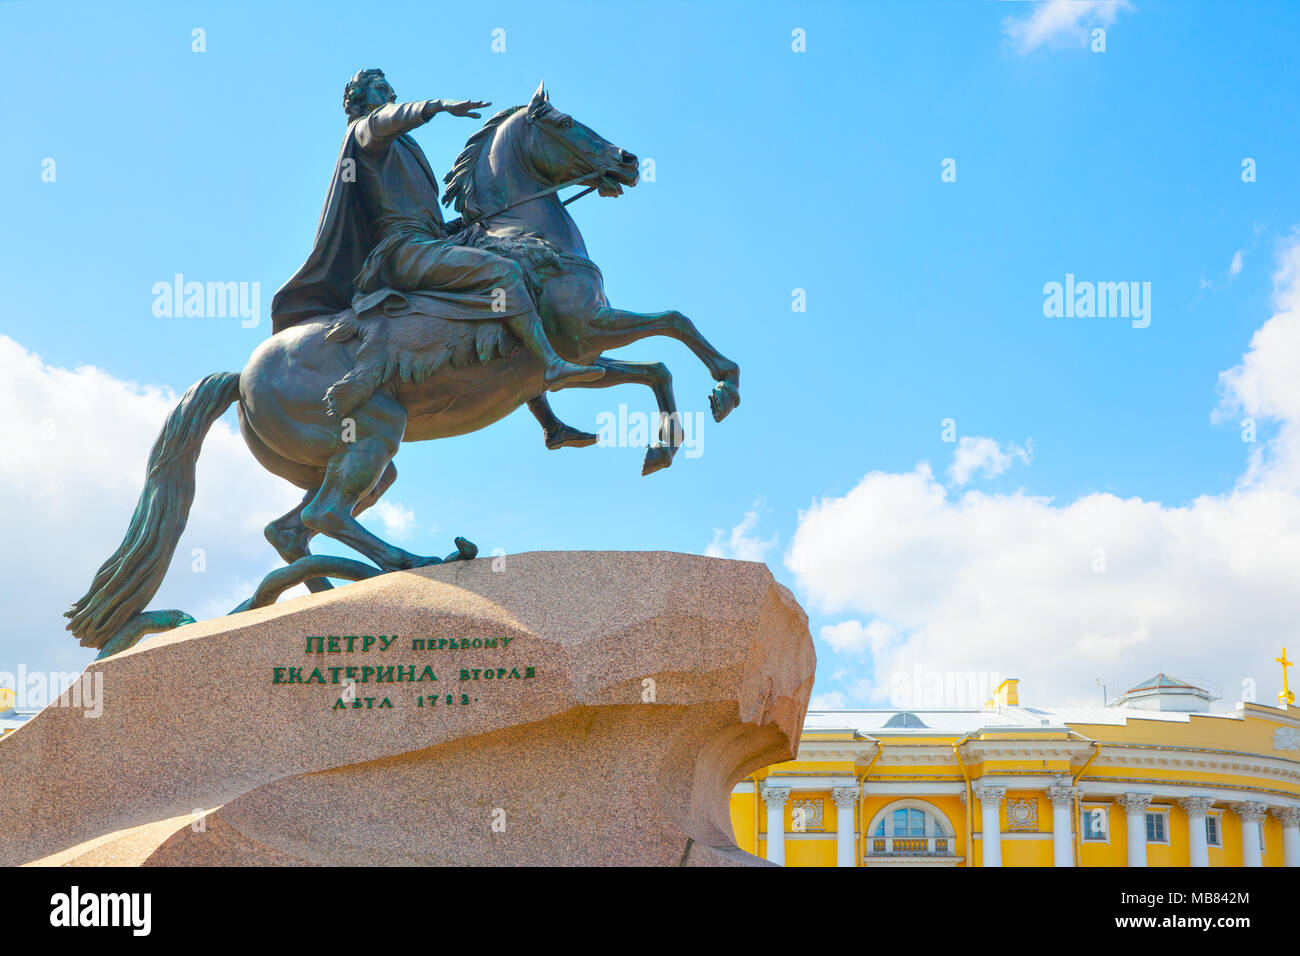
656, 458
723, 400
466, 550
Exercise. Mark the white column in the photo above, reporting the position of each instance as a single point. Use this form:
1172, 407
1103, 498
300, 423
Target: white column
1290, 817
1196, 808
1250, 812
1135, 809
990, 799
1062, 825
775, 798
846, 799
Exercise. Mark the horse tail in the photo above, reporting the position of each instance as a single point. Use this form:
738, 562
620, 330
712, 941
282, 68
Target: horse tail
128, 580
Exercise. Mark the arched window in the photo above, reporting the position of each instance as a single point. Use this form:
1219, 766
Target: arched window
906, 822
910, 828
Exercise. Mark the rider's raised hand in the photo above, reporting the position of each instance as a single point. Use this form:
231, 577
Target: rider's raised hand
465, 107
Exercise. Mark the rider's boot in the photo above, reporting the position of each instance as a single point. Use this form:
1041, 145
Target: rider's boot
558, 434
557, 371
566, 436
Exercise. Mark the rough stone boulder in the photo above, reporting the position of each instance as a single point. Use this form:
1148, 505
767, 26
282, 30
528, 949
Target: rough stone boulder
549, 708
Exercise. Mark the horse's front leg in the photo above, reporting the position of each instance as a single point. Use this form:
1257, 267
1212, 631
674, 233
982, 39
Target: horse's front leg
658, 379
618, 327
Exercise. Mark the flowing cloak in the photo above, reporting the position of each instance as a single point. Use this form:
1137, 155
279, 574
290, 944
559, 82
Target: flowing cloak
349, 242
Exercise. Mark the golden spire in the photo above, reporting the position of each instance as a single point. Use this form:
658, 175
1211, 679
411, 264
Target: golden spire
1286, 698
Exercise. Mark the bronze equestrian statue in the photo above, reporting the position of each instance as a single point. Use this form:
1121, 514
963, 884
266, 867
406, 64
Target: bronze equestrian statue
401, 327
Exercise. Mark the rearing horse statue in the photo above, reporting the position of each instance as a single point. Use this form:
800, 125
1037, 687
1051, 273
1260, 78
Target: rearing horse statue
325, 404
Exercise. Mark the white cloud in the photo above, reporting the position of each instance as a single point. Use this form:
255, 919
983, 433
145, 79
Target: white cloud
853, 637
1266, 385
1061, 23
832, 701
1102, 587
741, 543
76, 442
1235, 265
396, 518
986, 457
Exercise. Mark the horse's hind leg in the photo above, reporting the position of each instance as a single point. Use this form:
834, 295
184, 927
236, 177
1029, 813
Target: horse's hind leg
385, 482
618, 327
287, 534
355, 473
291, 538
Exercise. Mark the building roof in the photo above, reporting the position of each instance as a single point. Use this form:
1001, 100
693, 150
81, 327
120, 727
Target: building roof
1163, 681
15, 717
940, 722
905, 718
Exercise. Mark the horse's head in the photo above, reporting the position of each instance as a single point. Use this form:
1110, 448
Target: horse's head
525, 147
561, 149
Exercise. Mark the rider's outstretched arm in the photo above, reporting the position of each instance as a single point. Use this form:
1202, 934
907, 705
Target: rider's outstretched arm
393, 119
379, 126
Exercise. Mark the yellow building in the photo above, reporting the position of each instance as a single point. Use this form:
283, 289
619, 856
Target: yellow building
11, 718
1154, 779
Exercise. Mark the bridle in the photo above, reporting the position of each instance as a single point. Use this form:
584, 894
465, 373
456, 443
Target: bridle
538, 195
592, 172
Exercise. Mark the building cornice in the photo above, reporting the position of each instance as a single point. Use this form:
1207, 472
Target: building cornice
1289, 717
1004, 748
1091, 789
913, 861
1272, 769
908, 754
855, 750
809, 781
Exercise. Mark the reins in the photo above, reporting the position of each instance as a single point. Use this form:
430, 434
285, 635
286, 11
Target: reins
538, 195
549, 189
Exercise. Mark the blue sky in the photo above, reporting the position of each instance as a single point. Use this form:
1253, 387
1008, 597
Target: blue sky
775, 170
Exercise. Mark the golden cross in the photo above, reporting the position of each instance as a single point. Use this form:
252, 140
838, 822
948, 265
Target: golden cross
1286, 698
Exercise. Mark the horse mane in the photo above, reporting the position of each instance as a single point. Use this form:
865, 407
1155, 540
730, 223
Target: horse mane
458, 185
